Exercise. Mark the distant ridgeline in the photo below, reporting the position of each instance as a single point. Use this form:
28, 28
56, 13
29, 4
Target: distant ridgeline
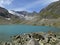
49, 16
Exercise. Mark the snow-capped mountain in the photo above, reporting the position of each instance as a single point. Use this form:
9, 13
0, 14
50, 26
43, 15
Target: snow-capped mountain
23, 14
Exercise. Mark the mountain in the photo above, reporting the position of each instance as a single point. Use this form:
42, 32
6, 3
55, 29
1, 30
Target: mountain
27, 13
4, 13
51, 11
24, 14
15, 17
49, 16
8, 18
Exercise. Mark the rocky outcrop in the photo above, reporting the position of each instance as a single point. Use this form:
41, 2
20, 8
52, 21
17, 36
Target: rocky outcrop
4, 12
50, 38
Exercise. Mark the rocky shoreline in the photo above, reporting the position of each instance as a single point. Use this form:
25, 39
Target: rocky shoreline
37, 38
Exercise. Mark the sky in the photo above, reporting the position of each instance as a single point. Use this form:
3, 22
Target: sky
25, 5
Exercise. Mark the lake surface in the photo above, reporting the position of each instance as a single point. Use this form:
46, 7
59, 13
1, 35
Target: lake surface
7, 30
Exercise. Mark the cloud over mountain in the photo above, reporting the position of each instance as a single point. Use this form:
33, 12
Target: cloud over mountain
3, 3
34, 4
27, 5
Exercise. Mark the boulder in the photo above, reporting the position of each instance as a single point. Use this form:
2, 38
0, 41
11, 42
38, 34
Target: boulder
32, 42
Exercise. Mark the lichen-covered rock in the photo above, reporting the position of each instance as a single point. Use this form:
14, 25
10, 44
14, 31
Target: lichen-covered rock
34, 39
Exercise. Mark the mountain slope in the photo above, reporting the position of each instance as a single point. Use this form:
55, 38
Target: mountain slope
7, 18
49, 16
15, 17
3, 12
51, 11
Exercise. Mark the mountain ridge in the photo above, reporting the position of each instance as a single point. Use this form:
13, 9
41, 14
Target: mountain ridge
49, 16
51, 10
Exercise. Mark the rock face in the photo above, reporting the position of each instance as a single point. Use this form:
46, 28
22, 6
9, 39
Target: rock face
51, 11
3, 12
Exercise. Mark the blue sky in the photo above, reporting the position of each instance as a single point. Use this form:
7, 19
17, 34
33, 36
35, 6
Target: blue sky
25, 5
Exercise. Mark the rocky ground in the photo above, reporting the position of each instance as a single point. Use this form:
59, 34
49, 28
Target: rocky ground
43, 22
37, 38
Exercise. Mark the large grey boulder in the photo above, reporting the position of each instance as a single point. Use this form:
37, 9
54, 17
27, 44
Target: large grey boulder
32, 42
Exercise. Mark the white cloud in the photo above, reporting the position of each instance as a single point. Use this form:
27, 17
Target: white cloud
34, 4
5, 2
28, 6
54, 0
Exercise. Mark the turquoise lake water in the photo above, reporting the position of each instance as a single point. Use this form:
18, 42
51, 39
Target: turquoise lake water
8, 30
